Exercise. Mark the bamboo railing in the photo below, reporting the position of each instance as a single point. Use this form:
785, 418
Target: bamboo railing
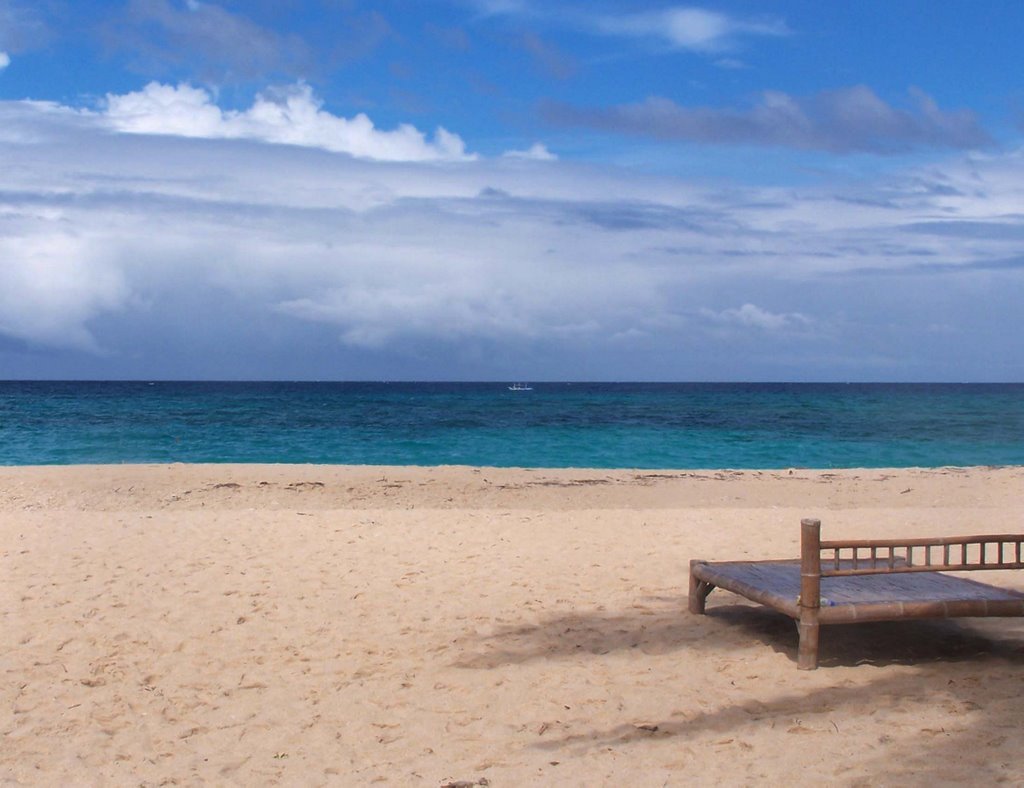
938, 554
852, 557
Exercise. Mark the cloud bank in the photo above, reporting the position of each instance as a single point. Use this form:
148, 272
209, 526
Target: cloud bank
211, 255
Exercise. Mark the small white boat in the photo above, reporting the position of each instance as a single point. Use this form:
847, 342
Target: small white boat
520, 387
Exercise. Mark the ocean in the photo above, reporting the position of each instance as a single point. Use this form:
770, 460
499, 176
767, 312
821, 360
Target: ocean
596, 425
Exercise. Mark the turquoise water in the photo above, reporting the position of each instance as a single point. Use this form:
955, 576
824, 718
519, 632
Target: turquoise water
555, 425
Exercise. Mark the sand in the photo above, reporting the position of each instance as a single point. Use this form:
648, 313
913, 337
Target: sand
310, 625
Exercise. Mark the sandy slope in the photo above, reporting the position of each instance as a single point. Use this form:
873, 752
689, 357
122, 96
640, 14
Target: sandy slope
310, 625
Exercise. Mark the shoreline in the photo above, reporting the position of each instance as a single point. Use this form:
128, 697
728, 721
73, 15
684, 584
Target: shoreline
553, 468
417, 625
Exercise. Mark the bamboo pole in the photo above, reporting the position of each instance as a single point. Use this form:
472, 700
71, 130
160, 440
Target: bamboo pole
699, 590
810, 593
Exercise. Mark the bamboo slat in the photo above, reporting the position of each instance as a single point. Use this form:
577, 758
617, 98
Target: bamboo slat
778, 585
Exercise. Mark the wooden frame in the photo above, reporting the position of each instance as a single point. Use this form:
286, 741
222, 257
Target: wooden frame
848, 581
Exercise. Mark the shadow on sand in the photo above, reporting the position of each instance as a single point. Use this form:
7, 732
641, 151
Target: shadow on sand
660, 625
965, 665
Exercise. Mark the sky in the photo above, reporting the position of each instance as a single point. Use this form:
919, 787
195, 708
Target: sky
511, 190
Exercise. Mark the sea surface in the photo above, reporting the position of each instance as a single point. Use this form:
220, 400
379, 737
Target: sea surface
597, 425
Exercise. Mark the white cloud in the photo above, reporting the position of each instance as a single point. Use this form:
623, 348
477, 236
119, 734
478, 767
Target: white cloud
293, 116
842, 121
5, 60
52, 284
680, 27
202, 39
752, 316
696, 29
501, 7
538, 152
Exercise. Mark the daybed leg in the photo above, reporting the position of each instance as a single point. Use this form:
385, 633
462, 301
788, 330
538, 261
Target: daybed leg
699, 590
810, 593
807, 652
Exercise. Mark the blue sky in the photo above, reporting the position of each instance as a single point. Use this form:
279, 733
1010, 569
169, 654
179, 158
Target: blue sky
511, 189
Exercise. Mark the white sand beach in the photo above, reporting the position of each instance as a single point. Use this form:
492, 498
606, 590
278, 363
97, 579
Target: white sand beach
320, 625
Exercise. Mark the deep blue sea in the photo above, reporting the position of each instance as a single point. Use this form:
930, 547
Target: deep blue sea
599, 425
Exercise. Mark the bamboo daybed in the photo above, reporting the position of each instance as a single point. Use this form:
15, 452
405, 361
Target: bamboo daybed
850, 581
